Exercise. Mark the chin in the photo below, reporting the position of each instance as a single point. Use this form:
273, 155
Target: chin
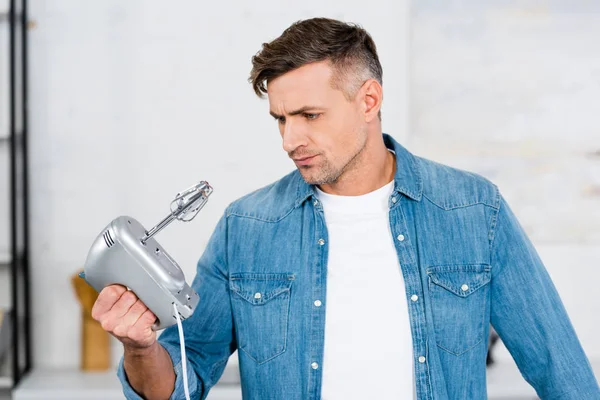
310, 178
315, 178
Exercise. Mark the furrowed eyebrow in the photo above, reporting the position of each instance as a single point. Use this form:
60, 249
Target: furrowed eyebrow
295, 112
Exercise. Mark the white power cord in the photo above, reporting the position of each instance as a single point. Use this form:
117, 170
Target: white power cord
183, 357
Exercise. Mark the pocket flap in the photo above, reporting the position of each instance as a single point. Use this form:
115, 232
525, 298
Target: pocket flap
259, 288
462, 280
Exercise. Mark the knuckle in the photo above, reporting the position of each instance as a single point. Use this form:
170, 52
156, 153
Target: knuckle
120, 331
94, 313
109, 292
106, 325
112, 292
129, 297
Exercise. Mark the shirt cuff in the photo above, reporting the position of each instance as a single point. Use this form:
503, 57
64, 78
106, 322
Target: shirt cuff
178, 393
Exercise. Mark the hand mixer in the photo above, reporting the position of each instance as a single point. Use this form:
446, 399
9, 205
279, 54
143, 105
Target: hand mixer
125, 253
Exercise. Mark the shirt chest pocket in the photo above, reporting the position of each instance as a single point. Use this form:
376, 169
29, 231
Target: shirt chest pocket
260, 303
460, 303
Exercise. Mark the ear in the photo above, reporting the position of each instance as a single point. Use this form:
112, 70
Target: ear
372, 96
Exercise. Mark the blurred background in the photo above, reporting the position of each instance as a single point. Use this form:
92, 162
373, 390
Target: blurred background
128, 103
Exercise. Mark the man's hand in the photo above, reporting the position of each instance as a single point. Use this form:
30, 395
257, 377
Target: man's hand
122, 314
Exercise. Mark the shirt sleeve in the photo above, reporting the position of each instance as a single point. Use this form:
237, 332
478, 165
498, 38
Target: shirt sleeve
178, 392
209, 333
530, 318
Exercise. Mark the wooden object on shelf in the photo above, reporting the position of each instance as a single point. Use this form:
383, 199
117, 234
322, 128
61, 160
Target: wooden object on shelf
5, 332
95, 341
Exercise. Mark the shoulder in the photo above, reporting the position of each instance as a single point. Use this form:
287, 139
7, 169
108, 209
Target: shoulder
449, 187
270, 203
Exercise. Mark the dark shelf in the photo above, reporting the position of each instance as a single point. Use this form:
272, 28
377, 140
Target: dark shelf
18, 252
5, 16
8, 139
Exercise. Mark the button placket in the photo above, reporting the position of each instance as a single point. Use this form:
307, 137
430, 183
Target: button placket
318, 292
400, 219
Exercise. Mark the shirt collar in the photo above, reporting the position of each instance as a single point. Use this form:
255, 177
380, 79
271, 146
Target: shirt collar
407, 179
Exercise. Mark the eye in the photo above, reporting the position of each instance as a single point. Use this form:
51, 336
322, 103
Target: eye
280, 120
311, 116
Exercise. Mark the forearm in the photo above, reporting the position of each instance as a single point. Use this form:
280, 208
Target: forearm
150, 372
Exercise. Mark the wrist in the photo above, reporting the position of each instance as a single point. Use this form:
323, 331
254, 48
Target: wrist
138, 352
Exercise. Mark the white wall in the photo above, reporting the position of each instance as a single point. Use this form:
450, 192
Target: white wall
134, 101
510, 90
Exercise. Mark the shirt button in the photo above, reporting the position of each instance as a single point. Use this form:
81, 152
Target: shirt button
421, 359
394, 199
401, 238
321, 242
316, 202
257, 295
464, 287
318, 303
414, 297
314, 365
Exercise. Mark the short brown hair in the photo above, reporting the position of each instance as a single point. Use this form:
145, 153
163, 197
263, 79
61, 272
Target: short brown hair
347, 46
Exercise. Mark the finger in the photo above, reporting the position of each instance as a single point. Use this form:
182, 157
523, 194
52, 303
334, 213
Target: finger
114, 317
146, 320
121, 307
124, 326
107, 299
134, 313
142, 331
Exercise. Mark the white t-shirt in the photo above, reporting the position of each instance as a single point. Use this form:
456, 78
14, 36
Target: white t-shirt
368, 342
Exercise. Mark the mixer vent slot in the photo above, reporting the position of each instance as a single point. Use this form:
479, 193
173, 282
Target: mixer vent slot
108, 239
180, 316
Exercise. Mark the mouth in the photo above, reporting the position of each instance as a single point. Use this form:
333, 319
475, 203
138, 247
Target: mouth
303, 161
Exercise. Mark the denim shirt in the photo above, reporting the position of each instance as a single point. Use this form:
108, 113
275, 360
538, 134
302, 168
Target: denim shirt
466, 263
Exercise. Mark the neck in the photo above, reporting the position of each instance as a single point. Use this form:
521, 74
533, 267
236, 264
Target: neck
373, 168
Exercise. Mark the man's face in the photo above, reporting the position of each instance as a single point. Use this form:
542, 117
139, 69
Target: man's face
322, 131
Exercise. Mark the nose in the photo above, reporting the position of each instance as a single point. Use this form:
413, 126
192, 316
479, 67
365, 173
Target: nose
292, 135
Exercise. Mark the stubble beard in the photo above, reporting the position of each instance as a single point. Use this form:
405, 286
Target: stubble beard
327, 174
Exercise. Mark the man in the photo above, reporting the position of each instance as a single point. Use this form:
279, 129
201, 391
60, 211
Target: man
367, 273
